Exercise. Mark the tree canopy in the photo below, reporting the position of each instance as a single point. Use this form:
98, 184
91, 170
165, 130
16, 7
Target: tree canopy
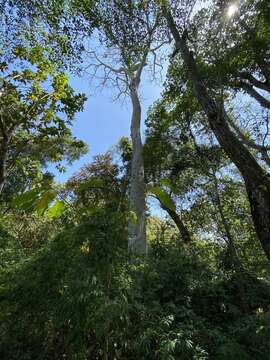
159, 247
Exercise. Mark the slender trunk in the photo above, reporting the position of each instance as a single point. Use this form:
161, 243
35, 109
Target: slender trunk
137, 231
256, 180
234, 260
3, 163
184, 233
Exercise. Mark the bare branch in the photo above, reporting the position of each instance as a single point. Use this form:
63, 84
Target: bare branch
120, 70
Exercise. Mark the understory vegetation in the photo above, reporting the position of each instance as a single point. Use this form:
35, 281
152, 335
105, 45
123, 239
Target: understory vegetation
78, 297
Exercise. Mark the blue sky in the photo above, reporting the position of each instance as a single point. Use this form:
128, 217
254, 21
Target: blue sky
103, 120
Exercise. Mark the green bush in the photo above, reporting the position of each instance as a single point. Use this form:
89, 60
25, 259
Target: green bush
79, 298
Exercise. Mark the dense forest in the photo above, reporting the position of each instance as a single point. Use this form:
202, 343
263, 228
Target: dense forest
160, 247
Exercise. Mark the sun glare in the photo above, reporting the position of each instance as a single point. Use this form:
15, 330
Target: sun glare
232, 9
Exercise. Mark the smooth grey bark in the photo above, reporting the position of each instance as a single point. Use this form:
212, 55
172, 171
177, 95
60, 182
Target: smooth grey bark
256, 179
137, 243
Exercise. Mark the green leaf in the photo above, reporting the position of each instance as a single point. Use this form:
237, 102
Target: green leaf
166, 182
43, 203
56, 210
163, 197
26, 200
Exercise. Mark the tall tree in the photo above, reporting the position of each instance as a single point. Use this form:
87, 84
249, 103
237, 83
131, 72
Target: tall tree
129, 31
256, 180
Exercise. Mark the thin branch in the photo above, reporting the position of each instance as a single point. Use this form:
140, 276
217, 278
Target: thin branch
120, 70
249, 142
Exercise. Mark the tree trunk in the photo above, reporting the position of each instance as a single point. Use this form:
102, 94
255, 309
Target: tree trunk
256, 180
184, 233
232, 253
249, 89
3, 163
137, 231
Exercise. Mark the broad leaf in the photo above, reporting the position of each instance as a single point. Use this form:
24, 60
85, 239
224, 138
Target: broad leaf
45, 200
166, 182
163, 197
56, 210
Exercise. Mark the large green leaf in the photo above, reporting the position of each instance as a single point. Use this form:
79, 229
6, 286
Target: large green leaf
44, 201
57, 209
163, 197
166, 182
37, 200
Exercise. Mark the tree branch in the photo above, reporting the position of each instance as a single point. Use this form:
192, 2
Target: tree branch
255, 94
263, 85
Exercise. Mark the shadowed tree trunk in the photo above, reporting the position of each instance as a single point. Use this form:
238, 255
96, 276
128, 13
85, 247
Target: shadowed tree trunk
3, 157
256, 179
183, 231
234, 260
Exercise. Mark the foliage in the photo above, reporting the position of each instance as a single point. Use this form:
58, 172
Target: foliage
50, 24
93, 303
38, 106
69, 289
